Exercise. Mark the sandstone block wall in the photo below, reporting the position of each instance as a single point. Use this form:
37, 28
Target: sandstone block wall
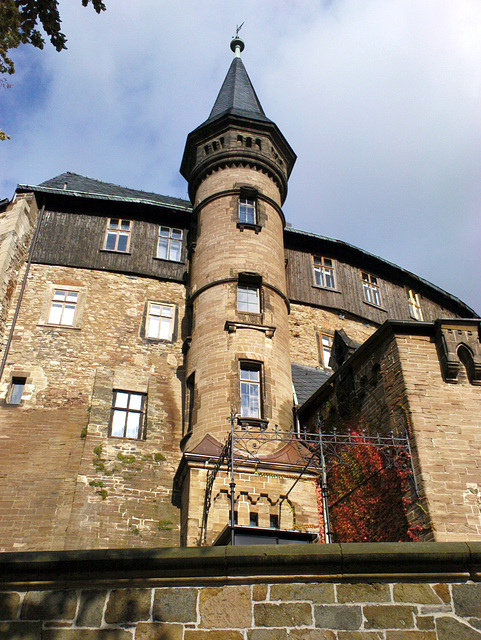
264, 611
446, 423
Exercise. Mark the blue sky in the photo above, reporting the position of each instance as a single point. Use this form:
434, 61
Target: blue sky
380, 100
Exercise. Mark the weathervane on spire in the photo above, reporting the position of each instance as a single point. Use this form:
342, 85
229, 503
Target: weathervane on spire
237, 45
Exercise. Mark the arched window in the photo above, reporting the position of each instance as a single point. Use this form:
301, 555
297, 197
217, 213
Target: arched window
466, 356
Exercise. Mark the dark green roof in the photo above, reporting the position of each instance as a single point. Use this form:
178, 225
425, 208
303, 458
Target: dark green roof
73, 184
237, 96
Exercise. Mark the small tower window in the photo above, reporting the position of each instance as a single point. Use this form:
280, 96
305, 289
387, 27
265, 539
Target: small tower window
253, 519
249, 142
250, 390
248, 298
247, 210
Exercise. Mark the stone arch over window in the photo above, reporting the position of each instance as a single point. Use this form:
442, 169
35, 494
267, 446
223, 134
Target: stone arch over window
458, 342
466, 356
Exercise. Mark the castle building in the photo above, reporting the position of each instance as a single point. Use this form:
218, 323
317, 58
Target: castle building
169, 368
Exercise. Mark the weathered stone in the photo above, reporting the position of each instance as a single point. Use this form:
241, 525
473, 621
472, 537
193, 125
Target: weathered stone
259, 592
225, 608
49, 605
416, 593
9, 603
337, 616
283, 615
84, 634
443, 592
360, 635
467, 600
318, 593
175, 605
159, 631
363, 593
311, 634
128, 605
412, 635
389, 617
195, 634
451, 629
91, 608
425, 622
20, 630
267, 634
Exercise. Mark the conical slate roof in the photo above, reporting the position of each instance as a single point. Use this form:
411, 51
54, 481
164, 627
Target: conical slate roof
237, 96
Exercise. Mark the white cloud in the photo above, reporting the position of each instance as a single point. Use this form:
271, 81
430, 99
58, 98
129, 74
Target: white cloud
379, 100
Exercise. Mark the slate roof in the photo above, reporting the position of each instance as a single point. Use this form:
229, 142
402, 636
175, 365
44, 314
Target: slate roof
307, 380
237, 96
74, 184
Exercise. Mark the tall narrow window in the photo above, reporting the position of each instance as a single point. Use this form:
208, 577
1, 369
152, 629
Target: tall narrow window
415, 310
371, 289
169, 246
189, 403
16, 390
247, 210
248, 298
325, 348
63, 308
250, 390
127, 414
324, 272
117, 237
160, 321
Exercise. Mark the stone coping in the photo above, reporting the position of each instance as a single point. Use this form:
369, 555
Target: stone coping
388, 562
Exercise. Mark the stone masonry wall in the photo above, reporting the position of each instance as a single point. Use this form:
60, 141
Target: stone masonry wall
262, 611
446, 423
306, 322
93, 490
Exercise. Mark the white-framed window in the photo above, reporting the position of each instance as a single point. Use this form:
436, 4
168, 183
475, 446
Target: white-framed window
128, 409
117, 237
169, 246
324, 272
160, 321
15, 392
247, 210
248, 298
325, 349
63, 308
250, 390
371, 290
415, 310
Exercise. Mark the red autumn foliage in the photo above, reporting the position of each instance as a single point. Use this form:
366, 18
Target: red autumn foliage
367, 494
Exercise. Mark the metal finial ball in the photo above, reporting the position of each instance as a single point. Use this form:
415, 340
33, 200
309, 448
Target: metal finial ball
237, 42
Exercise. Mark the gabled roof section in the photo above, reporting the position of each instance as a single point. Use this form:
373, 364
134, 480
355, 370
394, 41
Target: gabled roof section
237, 96
74, 184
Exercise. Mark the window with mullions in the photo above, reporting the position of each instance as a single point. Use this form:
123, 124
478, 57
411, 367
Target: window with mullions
160, 321
169, 246
250, 390
248, 298
415, 310
324, 272
117, 237
247, 210
127, 414
63, 308
371, 290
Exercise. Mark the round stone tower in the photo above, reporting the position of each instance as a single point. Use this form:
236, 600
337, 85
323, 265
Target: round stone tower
238, 368
237, 164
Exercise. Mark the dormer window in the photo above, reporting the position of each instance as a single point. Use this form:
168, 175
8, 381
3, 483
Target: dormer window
117, 237
169, 246
415, 310
370, 286
324, 274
